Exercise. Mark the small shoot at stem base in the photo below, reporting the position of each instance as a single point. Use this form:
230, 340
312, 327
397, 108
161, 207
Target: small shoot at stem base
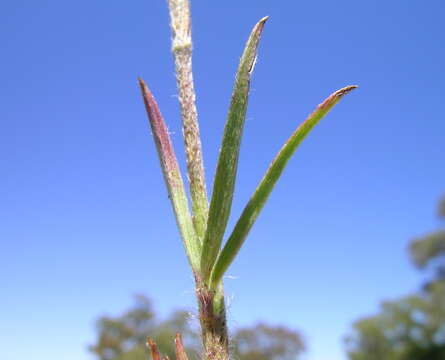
155, 355
179, 349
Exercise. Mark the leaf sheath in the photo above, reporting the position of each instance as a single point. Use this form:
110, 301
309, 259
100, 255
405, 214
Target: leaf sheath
262, 192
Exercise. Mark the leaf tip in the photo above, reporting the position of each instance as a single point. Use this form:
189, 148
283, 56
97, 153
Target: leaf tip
260, 25
263, 20
144, 88
345, 90
336, 96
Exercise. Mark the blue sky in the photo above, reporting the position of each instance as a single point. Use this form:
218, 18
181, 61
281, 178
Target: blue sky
85, 219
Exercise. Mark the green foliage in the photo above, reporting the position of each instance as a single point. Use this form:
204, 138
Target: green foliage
429, 250
265, 342
207, 260
172, 177
224, 183
124, 337
262, 192
441, 209
202, 231
412, 328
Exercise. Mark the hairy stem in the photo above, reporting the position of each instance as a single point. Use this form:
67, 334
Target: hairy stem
212, 311
212, 316
182, 51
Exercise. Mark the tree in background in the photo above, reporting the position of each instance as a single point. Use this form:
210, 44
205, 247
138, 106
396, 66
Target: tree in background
411, 328
124, 337
264, 342
429, 250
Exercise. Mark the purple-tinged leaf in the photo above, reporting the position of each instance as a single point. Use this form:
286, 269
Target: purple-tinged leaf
172, 177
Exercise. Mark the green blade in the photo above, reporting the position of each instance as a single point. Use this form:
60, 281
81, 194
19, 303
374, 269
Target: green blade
172, 177
224, 182
259, 198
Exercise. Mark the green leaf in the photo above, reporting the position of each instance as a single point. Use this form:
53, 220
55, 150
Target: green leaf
259, 198
224, 182
172, 177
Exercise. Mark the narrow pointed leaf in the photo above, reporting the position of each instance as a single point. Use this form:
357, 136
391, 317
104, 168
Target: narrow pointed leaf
262, 192
172, 177
224, 182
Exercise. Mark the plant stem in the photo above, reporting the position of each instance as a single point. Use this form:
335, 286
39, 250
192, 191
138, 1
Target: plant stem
182, 51
212, 316
212, 312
